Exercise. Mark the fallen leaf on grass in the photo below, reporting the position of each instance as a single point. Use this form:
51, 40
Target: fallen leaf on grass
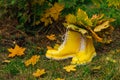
51, 37
49, 47
110, 59
59, 79
33, 60
17, 51
6, 61
70, 68
96, 68
39, 72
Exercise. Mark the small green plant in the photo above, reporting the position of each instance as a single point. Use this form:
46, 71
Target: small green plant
14, 67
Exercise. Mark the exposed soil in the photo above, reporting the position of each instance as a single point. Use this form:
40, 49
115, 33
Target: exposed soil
9, 34
115, 44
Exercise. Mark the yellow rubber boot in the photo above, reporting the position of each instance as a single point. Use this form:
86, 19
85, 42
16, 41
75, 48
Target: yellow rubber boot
69, 47
86, 53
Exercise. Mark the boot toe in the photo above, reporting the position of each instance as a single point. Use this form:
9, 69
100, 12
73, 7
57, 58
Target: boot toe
82, 59
56, 55
50, 53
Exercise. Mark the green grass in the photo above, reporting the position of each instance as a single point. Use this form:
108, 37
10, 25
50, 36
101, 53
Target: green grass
16, 70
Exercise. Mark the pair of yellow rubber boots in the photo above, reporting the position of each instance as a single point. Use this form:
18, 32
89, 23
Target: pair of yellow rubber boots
75, 46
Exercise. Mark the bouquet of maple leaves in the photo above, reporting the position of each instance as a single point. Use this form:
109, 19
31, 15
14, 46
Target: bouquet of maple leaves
97, 26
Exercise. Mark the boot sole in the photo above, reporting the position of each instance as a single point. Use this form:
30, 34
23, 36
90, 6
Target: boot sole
60, 58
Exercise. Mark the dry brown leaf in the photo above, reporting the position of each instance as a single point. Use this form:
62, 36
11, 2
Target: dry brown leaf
102, 26
51, 37
6, 61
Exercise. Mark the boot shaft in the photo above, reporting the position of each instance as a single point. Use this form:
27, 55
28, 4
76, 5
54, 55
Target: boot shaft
71, 42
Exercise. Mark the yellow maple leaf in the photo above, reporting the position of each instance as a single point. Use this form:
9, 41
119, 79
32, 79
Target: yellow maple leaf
70, 18
51, 37
58, 7
59, 79
39, 72
46, 21
104, 25
82, 18
75, 28
19, 51
52, 13
33, 60
27, 63
55, 10
70, 68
